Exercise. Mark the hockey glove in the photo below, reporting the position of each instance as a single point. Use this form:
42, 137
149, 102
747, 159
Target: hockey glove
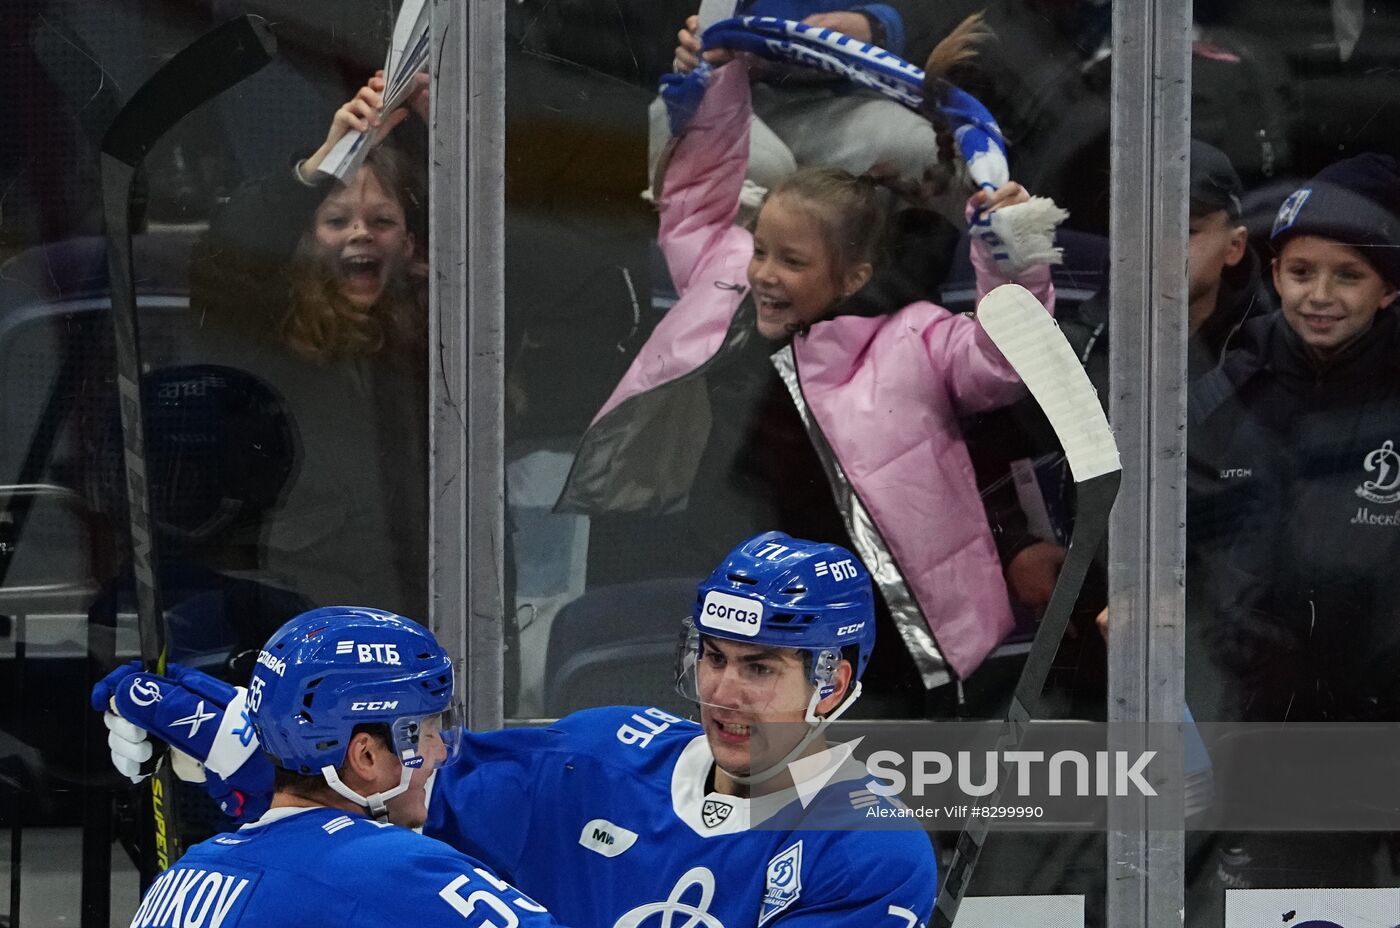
204, 721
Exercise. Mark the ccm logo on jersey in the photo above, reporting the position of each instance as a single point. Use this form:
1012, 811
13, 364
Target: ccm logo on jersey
371, 653
374, 705
733, 614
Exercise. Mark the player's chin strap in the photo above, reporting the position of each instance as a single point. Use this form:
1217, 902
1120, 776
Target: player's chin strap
375, 803
816, 725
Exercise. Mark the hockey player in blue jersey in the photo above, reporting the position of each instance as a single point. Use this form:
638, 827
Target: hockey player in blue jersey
619, 816
352, 706
626, 817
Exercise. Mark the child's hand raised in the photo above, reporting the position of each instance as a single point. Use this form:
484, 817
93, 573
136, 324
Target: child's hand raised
1017, 227
1008, 194
373, 92
361, 113
688, 52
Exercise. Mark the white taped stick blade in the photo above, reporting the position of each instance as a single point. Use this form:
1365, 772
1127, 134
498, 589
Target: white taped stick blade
1034, 345
712, 11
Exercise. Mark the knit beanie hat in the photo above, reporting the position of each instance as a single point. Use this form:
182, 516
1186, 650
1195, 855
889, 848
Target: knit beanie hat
1355, 202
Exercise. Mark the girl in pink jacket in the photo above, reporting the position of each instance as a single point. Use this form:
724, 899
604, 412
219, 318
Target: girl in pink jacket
870, 405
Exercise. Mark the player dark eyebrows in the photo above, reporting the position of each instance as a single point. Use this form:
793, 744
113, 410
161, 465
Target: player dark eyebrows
753, 657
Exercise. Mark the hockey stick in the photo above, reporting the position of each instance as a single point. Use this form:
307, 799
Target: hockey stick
1032, 343
204, 69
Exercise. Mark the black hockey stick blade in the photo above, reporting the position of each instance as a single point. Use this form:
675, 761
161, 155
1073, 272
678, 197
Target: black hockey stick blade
199, 72
1029, 339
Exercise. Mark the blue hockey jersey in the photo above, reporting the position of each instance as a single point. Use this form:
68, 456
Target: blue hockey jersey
605, 818
324, 867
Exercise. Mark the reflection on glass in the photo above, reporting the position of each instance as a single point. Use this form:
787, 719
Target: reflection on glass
284, 346
316, 287
799, 364
704, 441
1292, 471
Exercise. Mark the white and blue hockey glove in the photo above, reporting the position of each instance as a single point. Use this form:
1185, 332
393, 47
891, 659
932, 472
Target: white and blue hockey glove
204, 721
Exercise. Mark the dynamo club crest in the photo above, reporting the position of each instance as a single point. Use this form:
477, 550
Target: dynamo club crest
1288, 212
784, 882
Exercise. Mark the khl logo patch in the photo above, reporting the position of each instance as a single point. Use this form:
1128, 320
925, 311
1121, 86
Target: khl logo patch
715, 812
784, 883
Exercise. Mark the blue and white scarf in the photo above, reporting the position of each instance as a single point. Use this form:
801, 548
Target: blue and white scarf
975, 132
1020, 238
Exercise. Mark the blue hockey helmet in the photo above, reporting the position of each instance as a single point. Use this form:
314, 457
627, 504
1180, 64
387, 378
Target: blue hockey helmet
331, 669
778, 591
786, 592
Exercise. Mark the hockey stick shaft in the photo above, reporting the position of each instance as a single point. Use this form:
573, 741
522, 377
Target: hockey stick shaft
1094, 497
211, 64
161, 845
1034, 346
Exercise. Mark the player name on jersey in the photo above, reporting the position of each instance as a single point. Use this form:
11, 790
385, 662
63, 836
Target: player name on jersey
193, 898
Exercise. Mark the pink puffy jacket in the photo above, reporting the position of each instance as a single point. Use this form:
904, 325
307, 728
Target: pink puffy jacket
885, 393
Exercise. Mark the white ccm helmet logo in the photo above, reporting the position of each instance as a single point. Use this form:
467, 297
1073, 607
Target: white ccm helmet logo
734, 614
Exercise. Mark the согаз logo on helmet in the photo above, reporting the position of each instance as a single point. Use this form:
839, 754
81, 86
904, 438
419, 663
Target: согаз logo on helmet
734, 614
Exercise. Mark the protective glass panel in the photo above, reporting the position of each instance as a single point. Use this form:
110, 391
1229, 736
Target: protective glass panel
739, 300
1293, 476
281, 358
